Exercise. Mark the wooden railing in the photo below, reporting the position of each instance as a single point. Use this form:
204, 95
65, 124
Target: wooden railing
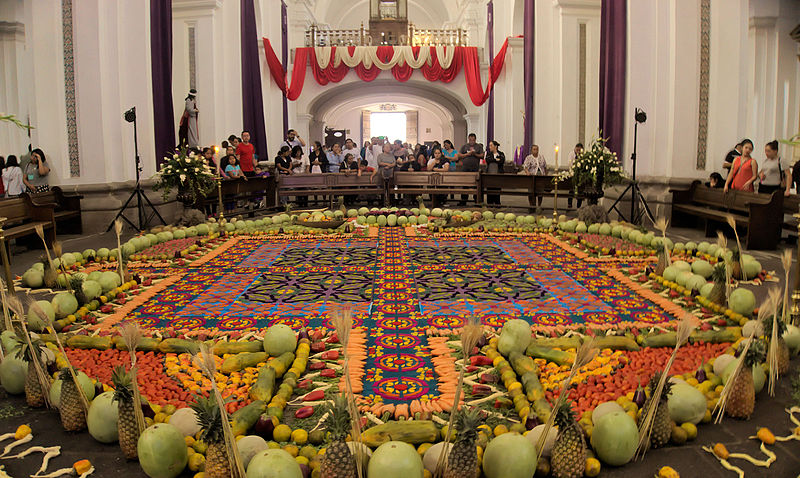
316, 36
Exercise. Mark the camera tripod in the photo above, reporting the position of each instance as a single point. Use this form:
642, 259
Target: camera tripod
639, 206
142, 201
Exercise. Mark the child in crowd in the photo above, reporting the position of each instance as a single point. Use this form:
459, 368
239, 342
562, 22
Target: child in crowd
232, 169
364, 168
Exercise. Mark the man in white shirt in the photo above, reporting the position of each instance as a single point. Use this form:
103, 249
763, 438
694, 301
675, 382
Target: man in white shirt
351, 148
535, 165
293, 139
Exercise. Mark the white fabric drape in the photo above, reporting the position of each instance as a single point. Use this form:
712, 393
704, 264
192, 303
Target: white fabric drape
444, 56
368, 56
323, 54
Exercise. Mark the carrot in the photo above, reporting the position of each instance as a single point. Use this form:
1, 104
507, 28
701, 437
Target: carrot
415, 407
401, 410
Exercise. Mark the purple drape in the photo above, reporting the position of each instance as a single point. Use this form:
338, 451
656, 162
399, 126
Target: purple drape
285, 59
161, 65
252, 102
490, 31
528, 52
613, 36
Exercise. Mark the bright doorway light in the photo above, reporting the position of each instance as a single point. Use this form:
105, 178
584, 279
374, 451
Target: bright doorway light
391, 125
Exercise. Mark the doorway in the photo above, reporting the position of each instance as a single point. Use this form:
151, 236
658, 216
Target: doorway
389, 125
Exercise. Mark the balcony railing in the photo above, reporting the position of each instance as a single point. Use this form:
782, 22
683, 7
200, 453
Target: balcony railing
316, 36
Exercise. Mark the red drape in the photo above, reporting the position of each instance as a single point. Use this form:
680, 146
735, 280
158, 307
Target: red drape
432, 71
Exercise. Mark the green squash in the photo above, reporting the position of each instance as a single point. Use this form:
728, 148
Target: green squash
615, 438
162, 451
279, 339
515, 336
395, 459
703, 268
12, 374
102, 418
742, 301
37, 322
273, 463
686, 404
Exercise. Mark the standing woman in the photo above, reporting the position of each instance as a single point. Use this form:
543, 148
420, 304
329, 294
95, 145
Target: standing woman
495, 159
773, 176
744, 171
188, 133
318, 159
12, 178
35, 173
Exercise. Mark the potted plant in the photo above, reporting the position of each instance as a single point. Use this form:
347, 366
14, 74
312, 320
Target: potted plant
595, 168
189, 173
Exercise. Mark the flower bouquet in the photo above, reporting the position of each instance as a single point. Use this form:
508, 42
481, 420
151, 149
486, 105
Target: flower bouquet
595, 168
189, 173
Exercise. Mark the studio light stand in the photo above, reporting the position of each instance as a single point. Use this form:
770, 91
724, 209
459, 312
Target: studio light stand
142, 202
636, 194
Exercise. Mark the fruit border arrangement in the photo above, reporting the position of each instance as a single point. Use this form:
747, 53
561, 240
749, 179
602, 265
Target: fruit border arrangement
282, 388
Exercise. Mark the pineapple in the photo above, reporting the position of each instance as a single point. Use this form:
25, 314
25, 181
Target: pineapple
568, 458
73, 415
50, 275
662, 424
719, 276
736, 265
34, 395
126, 424
463, 459
338, 461
210, 419
742, 397
783, 349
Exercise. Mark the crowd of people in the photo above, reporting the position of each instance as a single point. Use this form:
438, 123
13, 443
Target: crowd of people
744, 173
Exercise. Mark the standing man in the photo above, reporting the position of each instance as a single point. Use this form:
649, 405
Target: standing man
535, 165
335, 158
572, 157
246, 151
188, 134
293, 139
470, 157
351, 148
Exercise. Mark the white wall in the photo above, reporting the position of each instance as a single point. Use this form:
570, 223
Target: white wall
351, 120
13, 140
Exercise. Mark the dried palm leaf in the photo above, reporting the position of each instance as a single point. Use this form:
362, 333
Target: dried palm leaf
585, 354
204, 360
342, 319
132, 335
40, 232
774, 297
8, 324
732, 223
685, 328
726, 391
786, 261
49, 325
39, 367
470, 335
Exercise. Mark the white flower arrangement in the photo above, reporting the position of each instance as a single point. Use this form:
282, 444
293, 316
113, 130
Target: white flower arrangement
189, 173
595, 163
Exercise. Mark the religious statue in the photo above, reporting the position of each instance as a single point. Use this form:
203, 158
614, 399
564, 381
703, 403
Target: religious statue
188, 134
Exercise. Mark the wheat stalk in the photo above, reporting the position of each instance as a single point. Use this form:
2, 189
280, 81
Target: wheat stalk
585, 354
9, 325
685, 328
773, 299
204, 360
132, 335
732, 224
726, 391
49, 325
470, 334
41, 375
342, 319
722, 242
58, 251
786, 261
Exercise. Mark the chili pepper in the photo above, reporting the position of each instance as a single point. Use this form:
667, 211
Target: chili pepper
316, 365
480, 360
304, 412
481, 390
330, 355
314, 396
318, 347
328, 373
488, 378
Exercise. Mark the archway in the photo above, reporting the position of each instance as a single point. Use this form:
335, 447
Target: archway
437, 101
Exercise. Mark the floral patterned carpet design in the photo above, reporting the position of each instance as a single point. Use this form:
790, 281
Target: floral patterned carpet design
398, 288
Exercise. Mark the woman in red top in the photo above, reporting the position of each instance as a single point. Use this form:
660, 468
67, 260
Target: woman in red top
744, 170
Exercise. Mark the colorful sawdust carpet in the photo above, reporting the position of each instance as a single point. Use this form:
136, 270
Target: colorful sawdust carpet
398, 288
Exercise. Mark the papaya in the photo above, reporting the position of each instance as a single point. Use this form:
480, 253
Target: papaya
616, 342
234, 347
535, 394
551, 355
563, 343
281, 363
146, 344
87, 342
728, 334
241, 361
244, 418
667, 339
522, 364
178, 346
264, 386
413, 432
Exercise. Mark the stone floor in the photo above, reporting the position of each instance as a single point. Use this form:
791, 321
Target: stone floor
690, 460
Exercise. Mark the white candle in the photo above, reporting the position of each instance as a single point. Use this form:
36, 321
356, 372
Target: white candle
556, 157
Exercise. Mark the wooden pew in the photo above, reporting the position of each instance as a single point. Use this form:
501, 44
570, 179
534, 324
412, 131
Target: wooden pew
436, 183
67, 208
760, 214
330, 185
791, 206
21, 216
239, 189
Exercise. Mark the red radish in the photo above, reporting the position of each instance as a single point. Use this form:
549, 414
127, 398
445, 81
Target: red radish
304, 412
316, 365
330, 355
314, 396
317, 347
328, 373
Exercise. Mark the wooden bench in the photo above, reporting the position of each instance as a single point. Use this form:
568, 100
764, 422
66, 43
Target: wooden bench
760, 214
67, 208
791, 206
436, 184
330, 185
21, 216
250, 191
